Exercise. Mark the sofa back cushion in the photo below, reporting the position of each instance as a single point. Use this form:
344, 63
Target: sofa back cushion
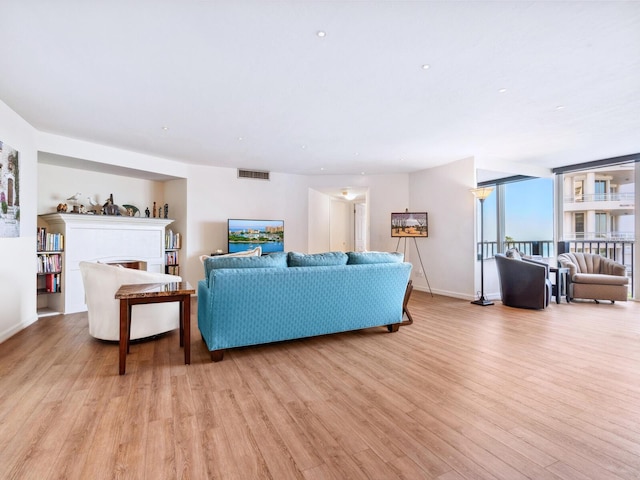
363, 258
326, 259
277, 260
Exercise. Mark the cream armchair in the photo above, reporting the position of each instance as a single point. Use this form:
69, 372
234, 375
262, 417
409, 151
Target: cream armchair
595, 277
101, 281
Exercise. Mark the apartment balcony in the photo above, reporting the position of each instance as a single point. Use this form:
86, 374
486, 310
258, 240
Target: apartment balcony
615, 245
616, 203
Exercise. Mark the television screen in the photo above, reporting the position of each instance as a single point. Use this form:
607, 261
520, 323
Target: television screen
248, 234
409, 224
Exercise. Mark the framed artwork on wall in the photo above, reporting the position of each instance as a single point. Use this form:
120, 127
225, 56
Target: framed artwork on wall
9, 192
409, 224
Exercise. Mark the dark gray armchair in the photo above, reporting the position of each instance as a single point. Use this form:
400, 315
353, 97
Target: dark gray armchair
524, 283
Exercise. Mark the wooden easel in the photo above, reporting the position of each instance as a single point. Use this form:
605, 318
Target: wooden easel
419, 257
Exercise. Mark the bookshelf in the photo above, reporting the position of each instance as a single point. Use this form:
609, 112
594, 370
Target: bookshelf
172, 245
103, 238
49, 251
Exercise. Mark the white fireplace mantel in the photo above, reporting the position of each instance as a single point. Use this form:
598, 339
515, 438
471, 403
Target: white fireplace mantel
104, 238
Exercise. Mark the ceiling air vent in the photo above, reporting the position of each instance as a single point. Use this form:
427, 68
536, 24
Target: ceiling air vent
256, 174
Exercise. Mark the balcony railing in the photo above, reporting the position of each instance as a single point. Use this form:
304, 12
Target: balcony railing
543, 248
617, 249
600, 197
601, 236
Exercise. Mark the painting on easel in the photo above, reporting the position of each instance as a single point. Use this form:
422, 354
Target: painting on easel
409, 224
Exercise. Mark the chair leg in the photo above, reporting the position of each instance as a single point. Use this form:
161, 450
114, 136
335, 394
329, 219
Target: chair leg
596, 301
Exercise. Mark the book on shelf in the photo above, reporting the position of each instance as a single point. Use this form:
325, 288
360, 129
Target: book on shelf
52, 283
172, 241
172, 269
49, 263
49, 242
171, 258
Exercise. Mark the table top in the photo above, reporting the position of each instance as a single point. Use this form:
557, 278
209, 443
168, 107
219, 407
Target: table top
558, 269
142, 290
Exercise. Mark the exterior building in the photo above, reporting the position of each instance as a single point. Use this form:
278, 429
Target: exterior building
599, 214
599, 204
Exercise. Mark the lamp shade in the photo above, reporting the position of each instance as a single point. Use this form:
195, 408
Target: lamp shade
482, 192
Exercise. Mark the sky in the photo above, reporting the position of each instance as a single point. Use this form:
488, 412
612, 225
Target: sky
529, 211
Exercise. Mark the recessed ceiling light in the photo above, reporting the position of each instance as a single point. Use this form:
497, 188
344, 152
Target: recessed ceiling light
426, 66
322, 169
240, 139
502, 90
303, 146
165, 128
560, 107
361, 173
321, 33
357, 153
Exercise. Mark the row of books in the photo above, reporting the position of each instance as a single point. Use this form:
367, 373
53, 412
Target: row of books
49, 263
49, 242
172, 240
52, 283
171, 258
172, 269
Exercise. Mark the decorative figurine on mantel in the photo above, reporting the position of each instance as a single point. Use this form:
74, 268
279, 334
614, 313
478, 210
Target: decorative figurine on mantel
147, 212
109, 208
154, 209
166, 210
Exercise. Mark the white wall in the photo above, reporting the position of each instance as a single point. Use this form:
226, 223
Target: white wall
386, 194
341, 226
17, 255
319, 226
56, 184
448, 252
201, 200
216, 194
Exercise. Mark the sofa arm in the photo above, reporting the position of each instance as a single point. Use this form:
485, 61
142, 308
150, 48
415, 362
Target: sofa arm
611, 267
566, 263
537, 262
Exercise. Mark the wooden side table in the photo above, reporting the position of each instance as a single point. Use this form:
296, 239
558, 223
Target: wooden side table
144, 293
561, 287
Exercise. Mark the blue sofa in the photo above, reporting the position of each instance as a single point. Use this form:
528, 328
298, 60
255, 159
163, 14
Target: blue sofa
254, 300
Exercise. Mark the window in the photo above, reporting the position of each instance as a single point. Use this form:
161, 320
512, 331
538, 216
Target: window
578, 224
601, 190
528, 216
519, 214
601, 225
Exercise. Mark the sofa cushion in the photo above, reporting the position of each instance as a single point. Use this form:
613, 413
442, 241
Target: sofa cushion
326, 259
599, 279
277, 260
363, 258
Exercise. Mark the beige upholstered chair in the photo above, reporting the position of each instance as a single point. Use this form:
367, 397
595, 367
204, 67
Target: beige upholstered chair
101, 281
595, 277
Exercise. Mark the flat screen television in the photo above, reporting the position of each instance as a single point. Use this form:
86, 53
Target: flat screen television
248, 234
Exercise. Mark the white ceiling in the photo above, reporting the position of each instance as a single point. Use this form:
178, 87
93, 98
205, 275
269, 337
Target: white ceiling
250, 83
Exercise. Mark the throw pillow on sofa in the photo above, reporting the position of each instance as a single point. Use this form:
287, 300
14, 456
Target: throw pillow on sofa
326, 259
254, 252
273, 260
363, 258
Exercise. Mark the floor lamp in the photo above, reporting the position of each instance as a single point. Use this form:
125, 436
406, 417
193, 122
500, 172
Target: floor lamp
481, 194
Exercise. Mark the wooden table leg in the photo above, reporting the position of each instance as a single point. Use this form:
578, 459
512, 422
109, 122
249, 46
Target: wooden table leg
186, 320
125, 321
181, 317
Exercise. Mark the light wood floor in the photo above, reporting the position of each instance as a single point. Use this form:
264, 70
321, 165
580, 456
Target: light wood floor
467, 392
